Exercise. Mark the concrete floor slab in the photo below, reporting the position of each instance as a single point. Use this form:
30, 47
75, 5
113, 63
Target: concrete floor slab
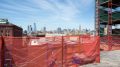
108, 59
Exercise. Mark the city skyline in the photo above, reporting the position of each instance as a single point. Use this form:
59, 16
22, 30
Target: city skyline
49, 13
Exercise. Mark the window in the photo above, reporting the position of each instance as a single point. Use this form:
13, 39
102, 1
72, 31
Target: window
1, 32
7, 33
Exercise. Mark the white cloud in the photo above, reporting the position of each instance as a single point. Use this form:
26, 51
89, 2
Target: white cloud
44, 5
66, 11
63, 12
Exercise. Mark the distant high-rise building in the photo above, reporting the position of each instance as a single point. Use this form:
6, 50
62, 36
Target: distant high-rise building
59, 30
31, 29
28, 29
35, 28
79, 29
44, 29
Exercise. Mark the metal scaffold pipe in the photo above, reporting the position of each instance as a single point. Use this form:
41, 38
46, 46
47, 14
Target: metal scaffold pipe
98, 18
109, 31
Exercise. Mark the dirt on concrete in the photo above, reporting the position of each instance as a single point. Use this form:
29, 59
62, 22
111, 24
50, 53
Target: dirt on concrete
108, 59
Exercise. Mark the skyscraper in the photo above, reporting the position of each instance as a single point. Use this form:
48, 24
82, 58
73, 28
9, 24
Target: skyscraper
35, 28
44, 29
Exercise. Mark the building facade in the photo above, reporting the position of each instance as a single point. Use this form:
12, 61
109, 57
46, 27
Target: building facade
8, 29
107, 17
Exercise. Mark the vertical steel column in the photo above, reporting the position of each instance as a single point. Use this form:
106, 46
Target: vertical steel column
109, 29
97, 18
98, 49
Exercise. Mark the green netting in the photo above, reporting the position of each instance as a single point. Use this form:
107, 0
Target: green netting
104, 17
102, 1
101, 31
116, 16
102, 12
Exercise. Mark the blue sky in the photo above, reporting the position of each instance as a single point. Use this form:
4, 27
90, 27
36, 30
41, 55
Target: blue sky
49, 13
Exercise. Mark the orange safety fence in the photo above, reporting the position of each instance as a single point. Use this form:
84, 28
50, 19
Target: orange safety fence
65, 51
83, 50
113, 43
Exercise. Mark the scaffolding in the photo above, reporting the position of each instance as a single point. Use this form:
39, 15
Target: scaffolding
107, 18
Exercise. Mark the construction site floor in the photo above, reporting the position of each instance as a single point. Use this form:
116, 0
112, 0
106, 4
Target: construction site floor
108, 59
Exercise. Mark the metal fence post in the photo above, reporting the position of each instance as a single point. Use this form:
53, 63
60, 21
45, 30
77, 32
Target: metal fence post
2, 51
62, 51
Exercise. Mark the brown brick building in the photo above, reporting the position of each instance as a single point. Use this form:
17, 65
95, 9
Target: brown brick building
8, 29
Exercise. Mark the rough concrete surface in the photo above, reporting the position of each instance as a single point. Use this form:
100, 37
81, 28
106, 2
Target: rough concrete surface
108, 59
